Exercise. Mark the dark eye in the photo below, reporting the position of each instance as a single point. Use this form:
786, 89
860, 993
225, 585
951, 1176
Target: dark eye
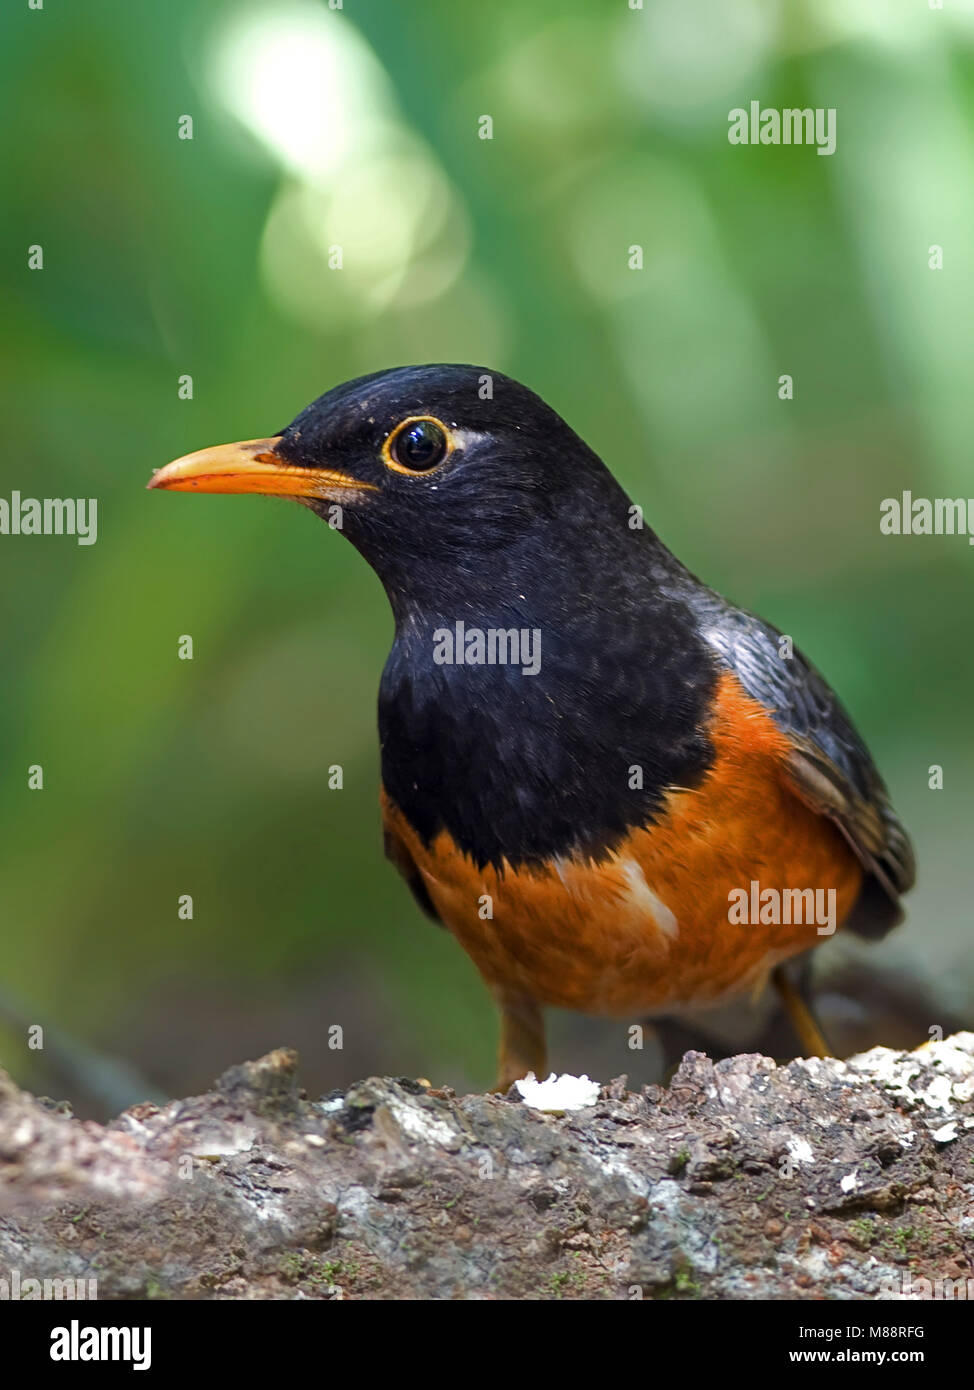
419, 446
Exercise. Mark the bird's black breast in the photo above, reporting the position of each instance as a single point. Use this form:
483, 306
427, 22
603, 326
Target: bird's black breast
526, 768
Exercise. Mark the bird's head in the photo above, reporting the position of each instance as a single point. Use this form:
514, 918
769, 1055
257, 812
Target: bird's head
432, 472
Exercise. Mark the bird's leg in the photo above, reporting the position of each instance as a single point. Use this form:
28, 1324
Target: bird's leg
522, 1046
802, 1019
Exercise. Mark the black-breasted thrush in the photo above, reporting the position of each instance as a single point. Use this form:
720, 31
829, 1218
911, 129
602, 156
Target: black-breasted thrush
621, 793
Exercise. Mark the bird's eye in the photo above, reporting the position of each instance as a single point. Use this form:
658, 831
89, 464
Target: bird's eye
417, 446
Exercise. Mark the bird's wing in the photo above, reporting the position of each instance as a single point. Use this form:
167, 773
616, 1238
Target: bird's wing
829, 768
397, 852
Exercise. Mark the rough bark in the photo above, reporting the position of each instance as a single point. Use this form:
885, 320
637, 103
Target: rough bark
739, 1180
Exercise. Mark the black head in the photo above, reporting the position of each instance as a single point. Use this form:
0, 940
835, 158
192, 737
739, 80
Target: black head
480, 509
434, 473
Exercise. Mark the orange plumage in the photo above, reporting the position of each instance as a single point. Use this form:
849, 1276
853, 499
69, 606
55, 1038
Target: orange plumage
646, 929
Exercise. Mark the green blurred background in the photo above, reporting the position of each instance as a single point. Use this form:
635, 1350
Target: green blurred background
210, 257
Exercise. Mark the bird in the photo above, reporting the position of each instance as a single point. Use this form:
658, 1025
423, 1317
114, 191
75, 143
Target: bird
622, 794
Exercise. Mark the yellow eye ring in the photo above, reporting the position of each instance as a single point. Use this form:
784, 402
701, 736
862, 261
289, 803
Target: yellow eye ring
418, 446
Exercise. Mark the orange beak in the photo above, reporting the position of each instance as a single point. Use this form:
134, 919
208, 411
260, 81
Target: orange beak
253, 466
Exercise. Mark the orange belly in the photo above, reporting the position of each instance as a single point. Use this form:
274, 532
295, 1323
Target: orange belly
649, 929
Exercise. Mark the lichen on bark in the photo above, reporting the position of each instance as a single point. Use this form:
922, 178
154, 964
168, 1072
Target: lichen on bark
739, 1180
